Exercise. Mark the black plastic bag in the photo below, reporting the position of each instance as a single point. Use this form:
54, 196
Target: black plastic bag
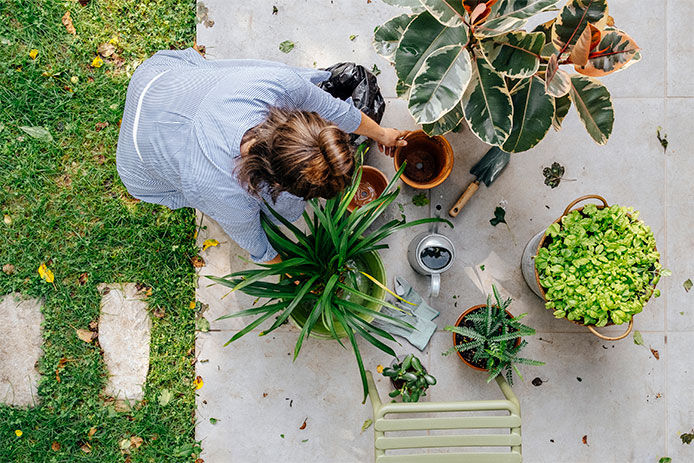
351, 80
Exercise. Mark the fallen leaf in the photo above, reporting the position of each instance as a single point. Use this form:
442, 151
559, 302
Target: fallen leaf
274, 10
192, 305
74, 79
61, 364
264, 394
40, 133
136, 441
124, 444
379, 368
282, 436
86, 447
33, 53
67, 22
553, 174
199, 460
202, 324
286, 46
99, 126
303, 426
662, 139
7, 219
45, 273
482, 267
638, 339
367, 424
687, 437
159, 312
55, 446
198, 262
353, 37
213, 420
665, 460
499, 216
655, 353
198, 382
8, 269
84, 2
18, 432
83, 278
85, 335
304, 441
687, 285
584, 439
91, 432
375, 71
165, 397
420, 200
97, 62
106, 49
209, 243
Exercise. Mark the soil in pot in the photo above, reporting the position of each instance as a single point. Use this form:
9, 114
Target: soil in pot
372, 184
429, 160
459, 339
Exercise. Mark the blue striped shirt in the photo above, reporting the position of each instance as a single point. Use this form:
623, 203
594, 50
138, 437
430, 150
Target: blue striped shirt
191, 121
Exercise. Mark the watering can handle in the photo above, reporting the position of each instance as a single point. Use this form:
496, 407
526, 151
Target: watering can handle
435, 284
464, 198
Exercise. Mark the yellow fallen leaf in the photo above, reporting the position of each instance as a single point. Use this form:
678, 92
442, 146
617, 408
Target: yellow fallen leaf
136, 441
45, 273
379, 368
91, 432
198, 382
33, 53
209, 243
85, 335
191, 306
97, 62
18, 432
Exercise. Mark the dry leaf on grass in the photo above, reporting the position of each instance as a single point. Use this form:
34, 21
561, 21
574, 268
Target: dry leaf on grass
197, 262
101, 126
85, 335
55, 446
67, 22
136, 441
106, 49
159, 312
7, 219
86, 447
61, 364
8, 269
83, 278
91, 432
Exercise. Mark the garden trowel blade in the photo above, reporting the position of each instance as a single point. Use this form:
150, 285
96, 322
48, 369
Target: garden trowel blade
490, 166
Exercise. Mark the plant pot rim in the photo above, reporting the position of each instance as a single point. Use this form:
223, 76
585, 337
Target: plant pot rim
352, 206
543, 243
457, 323
445, 170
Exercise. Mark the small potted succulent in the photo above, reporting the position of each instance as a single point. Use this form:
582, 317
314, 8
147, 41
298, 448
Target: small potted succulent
487, 337
409, 378
596, 265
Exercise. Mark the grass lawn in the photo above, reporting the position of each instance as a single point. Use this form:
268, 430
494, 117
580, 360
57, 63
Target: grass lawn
64, 205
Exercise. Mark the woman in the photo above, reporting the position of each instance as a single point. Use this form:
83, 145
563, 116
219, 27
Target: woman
225, 136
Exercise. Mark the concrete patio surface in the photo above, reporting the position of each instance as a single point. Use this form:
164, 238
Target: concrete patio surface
631, 405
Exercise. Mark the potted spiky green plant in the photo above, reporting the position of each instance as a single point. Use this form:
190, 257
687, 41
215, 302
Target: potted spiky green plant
487, 337
331, 281
473, 60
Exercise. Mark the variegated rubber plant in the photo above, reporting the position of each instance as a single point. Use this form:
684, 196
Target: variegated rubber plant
472, 60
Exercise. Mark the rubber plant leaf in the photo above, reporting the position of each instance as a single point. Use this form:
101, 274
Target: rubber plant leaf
594, 106
614, 51
413, 5
423, 36
573, 19
509, 15
557, 81
581, 49
440, 83
515, 54
448, 12
561, 109
533, 111
487, 104
446, 123
387, 36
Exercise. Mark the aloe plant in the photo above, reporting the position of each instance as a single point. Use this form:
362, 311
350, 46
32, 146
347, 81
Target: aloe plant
321, 282
472, 60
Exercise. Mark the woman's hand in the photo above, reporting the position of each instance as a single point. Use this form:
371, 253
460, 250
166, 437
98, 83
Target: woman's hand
391, 139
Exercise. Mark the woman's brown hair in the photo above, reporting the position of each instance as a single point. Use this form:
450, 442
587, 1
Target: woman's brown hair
298, 152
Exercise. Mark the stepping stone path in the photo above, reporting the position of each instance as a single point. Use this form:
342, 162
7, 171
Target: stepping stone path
20, 349
124, 335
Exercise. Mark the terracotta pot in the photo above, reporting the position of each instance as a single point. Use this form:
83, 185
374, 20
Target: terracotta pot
459, 321
372, 184
429, 160
545, 240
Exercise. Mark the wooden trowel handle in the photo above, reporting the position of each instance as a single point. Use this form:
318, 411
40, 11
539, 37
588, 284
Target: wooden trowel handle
464, 198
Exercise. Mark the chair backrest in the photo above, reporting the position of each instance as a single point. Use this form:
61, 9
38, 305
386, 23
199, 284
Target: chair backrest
507, 446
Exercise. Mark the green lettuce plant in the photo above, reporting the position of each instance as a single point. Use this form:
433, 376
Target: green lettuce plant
410, 377
473, 60
323, 281
600, 266
494, 339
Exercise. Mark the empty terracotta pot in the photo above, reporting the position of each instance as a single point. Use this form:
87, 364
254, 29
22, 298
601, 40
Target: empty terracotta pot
429, 160
372, 184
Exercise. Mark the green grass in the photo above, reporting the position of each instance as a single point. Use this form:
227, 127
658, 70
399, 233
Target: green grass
70, 210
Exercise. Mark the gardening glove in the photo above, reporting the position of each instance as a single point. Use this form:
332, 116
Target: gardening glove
419, 336
420, 308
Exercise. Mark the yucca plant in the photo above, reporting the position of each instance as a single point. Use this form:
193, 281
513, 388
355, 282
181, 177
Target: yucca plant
491, 339
331, 279
472, 60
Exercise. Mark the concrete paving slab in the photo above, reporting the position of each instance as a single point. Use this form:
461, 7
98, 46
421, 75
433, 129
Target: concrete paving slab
124, 335
680, 395
20, 349
680, 47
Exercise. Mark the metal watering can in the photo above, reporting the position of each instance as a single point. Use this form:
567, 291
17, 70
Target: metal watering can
431, 253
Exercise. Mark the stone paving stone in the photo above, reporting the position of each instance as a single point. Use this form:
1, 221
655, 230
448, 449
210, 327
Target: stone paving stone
680, 47
124, 335
680, 394
20, 349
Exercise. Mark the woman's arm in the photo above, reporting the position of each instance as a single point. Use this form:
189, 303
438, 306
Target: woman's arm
387, 139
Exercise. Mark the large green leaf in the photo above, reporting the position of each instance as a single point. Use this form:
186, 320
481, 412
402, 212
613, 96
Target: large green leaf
515, 54
387, 36
557, 81
594, 107
487, 104
561, 109
447, 12
573, 19
439, 84
612, 54
422, 37
509, 15
447, 123
533, 111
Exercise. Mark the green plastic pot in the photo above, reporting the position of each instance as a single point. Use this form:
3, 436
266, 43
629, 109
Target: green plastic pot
369, 263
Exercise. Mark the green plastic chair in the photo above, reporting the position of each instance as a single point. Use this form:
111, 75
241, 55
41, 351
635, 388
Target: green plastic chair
384, 423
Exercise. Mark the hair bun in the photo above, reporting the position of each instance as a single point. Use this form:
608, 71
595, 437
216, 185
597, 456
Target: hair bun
331, 143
